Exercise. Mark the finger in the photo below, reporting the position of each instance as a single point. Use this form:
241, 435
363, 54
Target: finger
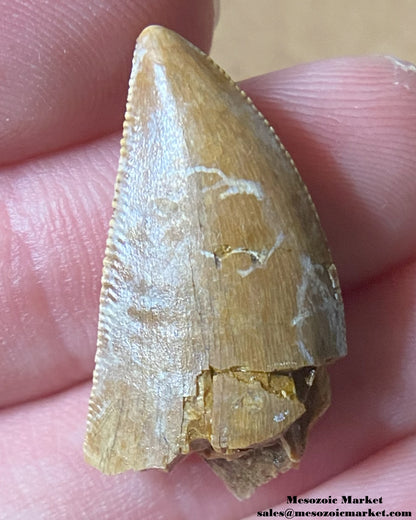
66, 66
388, 475
53, 219
55, 236
47, 454
350, 125
373, 387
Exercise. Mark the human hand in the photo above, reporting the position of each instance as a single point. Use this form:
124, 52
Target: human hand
350, 125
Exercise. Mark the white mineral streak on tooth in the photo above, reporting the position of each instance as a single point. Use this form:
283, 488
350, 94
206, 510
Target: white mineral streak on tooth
315, 295
261, 257
234, 186
332, 272
309, 276
305, 352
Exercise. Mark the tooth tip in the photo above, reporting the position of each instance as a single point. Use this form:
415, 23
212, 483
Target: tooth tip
156, 35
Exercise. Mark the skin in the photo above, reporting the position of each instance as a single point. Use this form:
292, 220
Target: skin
350, 125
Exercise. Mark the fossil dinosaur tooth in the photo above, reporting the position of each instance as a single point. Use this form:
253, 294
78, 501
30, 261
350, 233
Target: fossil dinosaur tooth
220, 305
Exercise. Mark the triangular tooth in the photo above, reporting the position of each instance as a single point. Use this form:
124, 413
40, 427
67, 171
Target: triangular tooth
216, 276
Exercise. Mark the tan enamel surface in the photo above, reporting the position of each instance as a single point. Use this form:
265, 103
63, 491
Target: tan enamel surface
215, 262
